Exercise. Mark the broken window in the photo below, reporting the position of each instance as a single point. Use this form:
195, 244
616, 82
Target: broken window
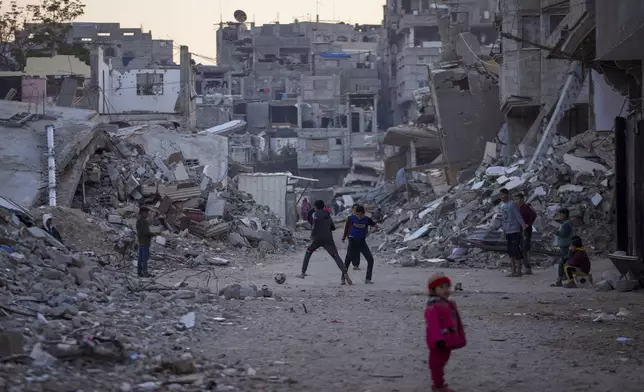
320, 84
338, 142
530, 30
317, 145
555, 21
149, 84
355, 122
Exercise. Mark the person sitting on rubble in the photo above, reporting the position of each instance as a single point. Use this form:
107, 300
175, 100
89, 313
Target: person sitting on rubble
564, 236
48, 226
145, 238
579, 263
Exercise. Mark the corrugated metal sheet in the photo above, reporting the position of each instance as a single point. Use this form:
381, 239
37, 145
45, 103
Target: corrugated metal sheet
269, 190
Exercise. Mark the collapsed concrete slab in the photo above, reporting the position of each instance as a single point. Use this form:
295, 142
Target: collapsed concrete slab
467, 115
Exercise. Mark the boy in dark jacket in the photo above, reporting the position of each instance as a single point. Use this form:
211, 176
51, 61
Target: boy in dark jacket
322, 237
358, 225
529, 216
579, 263
145, 238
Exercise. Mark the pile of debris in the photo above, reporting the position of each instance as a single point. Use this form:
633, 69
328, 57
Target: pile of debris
464, 225
64, 315
183, 196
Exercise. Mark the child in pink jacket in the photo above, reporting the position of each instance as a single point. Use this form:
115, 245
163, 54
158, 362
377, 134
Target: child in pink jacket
444, 329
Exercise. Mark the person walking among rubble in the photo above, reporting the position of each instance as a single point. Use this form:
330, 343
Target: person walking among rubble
444, 329
306, 207
48, 226
345, 235
564, 236
144, 235
322, 237
529, 216
512, 225
358, 225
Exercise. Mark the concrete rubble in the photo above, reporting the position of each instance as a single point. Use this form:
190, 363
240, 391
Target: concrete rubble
66, 312
187, 205
462, 227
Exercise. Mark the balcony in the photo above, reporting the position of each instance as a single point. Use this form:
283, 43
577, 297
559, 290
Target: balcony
410, 20
573, 29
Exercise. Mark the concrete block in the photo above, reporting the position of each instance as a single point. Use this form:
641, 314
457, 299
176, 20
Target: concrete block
113, 218
577, 164
624, 286
180, 172
11, 343
215, 207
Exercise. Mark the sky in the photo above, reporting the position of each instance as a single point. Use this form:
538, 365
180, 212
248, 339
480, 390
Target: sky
193, 22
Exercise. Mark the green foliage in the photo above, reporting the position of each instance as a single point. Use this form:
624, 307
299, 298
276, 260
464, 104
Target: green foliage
37, 29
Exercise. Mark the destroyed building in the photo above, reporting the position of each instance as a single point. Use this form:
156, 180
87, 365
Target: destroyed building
125, 46
313, 85
412, 42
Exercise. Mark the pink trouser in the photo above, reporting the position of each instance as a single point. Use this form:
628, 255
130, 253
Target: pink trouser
437, 361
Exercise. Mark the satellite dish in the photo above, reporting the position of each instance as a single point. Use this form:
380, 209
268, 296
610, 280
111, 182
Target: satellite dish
240, 16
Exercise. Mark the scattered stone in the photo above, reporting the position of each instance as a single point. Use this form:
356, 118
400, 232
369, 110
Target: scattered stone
626, 285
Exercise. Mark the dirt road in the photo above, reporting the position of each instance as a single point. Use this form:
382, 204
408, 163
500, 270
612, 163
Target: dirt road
523, 335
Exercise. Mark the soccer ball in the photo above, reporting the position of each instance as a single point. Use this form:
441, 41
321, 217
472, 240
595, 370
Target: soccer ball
280, 278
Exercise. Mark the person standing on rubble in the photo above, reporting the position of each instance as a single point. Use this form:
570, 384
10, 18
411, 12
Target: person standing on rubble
512, 225
48, 226
145, 238
322, 237
529, 216
359, 225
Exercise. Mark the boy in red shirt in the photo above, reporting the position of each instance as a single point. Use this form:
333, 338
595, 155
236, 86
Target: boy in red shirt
444, 329
529, 216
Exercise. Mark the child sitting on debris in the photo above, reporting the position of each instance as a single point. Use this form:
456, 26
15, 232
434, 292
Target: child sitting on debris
444, 329
579, 263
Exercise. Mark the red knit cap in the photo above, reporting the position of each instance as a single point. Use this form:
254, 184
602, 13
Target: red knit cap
437, 280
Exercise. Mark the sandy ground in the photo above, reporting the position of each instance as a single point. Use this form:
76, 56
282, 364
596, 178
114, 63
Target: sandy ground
523, 335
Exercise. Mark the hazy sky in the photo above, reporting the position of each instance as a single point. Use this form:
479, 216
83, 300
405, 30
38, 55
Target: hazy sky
192, 22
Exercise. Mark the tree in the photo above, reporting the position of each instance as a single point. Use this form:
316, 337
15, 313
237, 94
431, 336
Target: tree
37, 30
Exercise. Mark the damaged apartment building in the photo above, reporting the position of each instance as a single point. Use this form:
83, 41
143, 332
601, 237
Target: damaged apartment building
572, 66
543, 88
412, 44
308, 86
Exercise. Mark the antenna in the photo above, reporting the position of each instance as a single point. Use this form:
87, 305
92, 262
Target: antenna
221, 13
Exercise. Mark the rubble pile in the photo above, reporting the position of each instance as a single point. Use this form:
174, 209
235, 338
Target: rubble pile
465, 224
185, 202
64, 315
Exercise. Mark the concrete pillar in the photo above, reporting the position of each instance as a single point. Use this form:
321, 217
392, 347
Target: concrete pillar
299, 112
187, 105
411, 37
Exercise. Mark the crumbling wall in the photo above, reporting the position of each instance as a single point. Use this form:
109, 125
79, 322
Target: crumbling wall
323, 149
119, 92
211, 115
468, 114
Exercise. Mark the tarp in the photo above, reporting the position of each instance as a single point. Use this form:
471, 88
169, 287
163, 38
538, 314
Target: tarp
225, 129
335, 55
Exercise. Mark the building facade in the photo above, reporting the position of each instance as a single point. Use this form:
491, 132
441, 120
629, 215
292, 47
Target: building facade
411, 44
316, 82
